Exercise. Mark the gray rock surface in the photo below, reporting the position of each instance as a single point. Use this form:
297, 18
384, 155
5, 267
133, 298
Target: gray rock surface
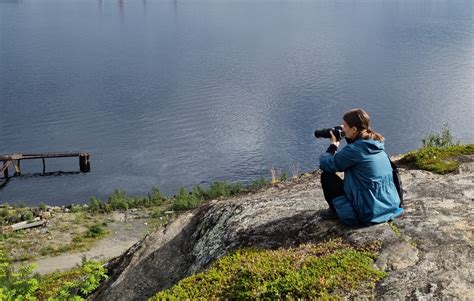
428, 253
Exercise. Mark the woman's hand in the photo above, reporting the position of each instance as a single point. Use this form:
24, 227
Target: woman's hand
334, 140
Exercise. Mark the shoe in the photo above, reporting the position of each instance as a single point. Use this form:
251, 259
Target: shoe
328, 214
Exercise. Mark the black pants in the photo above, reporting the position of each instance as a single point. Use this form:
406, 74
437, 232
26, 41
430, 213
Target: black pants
333, 186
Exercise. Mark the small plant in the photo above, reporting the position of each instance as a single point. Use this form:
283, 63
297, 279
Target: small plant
198, 192
274, 172
119, 199
184, 200
395, 229
4, 213
95, 231
29, 216
155, 197
295, 169
438, 152
157, 213
218, 189
278, 175
74, 284
42, 206
16, 284
76, 208
94, 205
236, 188
283, 176
444, 139
259, 183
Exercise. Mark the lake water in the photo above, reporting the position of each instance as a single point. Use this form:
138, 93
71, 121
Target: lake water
172, 93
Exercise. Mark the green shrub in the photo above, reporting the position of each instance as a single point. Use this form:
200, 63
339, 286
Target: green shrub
4, 213
236, 188
73, 284
198, 192
107, 207
42, 206
259, 183
443, 139
157, 213
156, 197
29, 216
218, 189
16, 284
329, 270
95, 231
119, 199
94, 205
76, 208
283, 176
184, 200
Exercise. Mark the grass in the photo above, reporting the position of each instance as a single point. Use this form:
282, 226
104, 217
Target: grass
330, 270
259, 183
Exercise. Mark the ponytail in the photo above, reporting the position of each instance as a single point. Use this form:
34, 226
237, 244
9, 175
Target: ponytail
371, 134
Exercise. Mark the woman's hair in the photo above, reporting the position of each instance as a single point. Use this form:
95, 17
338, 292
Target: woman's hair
361, 120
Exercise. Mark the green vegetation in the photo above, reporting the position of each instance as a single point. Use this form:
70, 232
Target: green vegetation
15, 214
395, 229
120, 200
443, 139
438, 159
22, 284
96, 231
73, 284
16, 284
259, 183
329, 270
187, 200
438, 153
184, 200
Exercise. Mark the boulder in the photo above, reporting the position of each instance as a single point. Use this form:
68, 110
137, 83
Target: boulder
428, 252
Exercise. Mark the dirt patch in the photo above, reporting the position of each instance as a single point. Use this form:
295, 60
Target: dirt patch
65, 239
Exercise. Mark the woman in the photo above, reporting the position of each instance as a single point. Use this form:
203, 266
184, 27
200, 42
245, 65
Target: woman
367, 194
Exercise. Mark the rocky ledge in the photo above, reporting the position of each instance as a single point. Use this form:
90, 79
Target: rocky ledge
428, 252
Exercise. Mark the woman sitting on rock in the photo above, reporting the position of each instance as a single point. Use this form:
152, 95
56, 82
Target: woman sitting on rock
367, 194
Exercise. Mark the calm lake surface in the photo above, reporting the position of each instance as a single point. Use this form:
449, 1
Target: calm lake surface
172, 93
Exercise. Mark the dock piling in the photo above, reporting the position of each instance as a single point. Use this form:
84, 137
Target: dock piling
84, 163
16, 164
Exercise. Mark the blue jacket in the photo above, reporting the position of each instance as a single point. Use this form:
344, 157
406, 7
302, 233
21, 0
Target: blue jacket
370, 194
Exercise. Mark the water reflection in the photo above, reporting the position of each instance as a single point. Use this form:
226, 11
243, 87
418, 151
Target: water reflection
25, 176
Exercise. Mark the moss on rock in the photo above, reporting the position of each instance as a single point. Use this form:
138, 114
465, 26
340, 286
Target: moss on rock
327, 270
438, 159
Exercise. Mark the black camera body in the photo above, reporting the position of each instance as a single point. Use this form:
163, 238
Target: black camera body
326, 133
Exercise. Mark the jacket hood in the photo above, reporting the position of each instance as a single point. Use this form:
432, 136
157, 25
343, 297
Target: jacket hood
370, 146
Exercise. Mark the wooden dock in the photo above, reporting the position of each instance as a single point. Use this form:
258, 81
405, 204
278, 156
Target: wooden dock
15, 159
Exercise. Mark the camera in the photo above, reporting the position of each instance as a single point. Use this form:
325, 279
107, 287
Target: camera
326, 133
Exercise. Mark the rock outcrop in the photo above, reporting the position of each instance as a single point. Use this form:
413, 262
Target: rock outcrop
428, 252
